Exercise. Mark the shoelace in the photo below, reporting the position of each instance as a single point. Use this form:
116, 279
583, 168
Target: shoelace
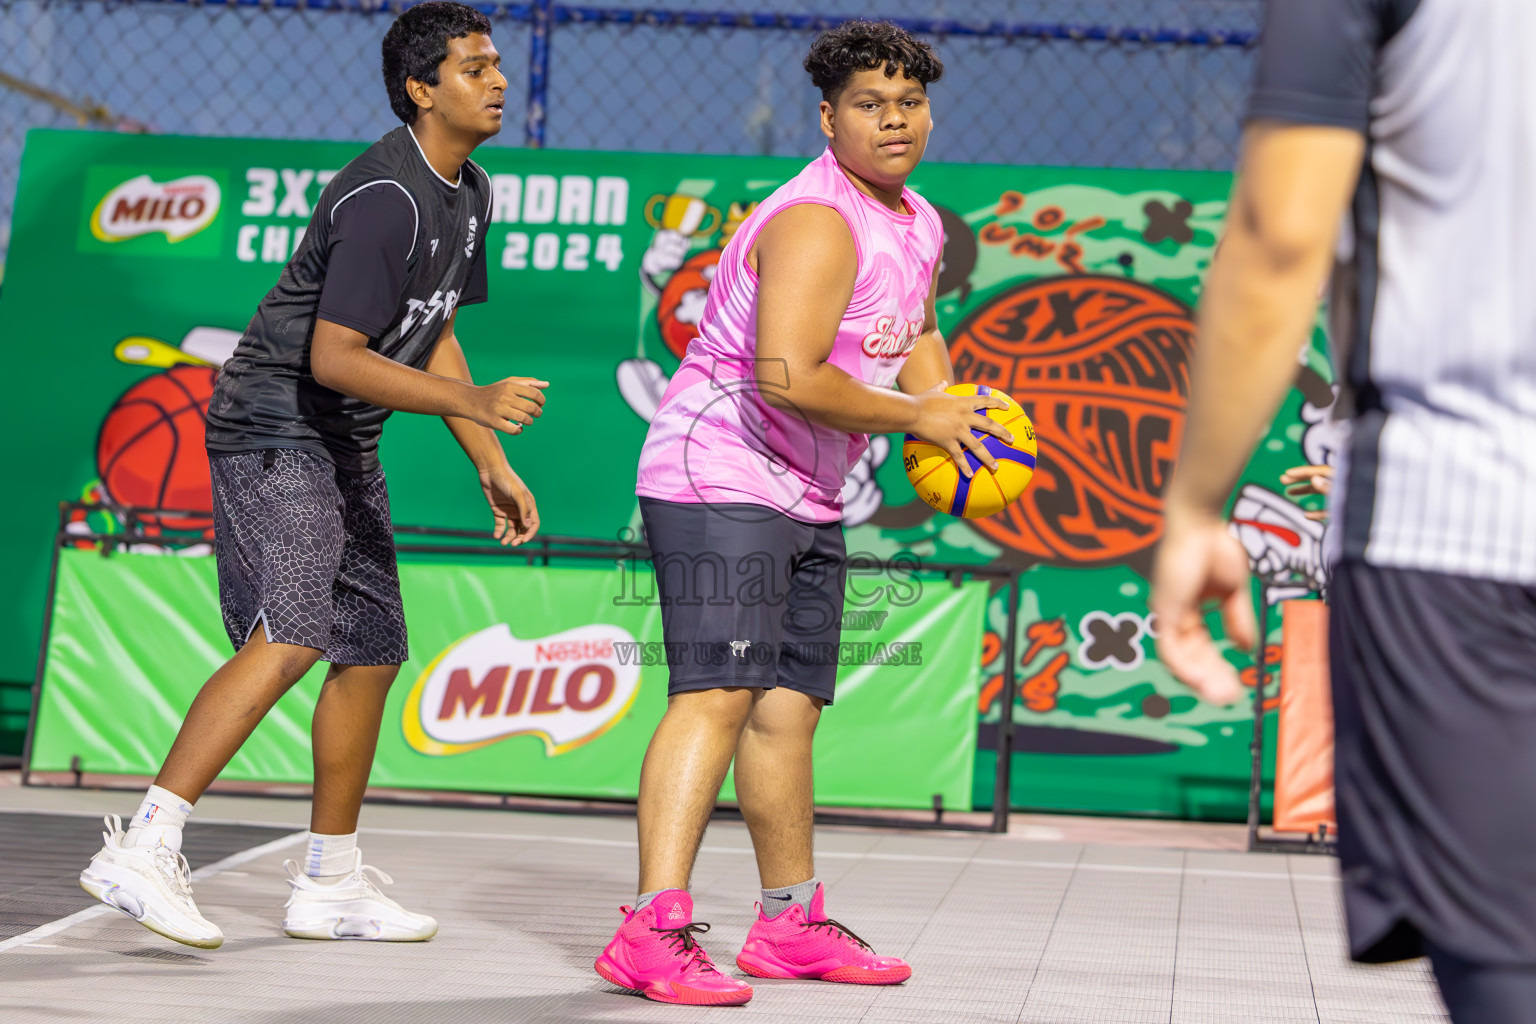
683, 941
173, 866
362, 876
177, 872
841, 930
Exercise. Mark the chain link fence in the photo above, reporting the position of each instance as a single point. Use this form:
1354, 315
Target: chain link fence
1104, 83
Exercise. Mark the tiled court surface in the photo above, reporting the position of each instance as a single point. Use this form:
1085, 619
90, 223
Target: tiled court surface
997, 929
39, 855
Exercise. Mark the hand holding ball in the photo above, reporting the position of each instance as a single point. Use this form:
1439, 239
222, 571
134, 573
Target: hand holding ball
938, 480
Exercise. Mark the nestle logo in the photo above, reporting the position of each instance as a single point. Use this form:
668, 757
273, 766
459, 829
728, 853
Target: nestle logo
575, 650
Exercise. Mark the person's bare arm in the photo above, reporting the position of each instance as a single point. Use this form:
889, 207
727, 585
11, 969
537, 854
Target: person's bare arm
1259, 303
928, 365
341, 360
806, 264
513, 509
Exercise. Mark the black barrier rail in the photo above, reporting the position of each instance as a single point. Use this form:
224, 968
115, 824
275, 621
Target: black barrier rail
146, 526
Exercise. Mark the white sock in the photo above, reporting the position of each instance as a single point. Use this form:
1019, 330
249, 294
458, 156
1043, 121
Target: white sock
159, 820
330, 856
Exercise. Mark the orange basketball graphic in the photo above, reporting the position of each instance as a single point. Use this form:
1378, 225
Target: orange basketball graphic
1101, 365
150, 452
679, 323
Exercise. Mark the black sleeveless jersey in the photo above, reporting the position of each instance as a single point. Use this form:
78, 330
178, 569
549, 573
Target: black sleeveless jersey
386, 205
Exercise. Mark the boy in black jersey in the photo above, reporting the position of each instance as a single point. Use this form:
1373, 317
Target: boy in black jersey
359, 325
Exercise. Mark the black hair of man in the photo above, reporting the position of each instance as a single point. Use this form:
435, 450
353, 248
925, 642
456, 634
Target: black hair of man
417, 44
840, 53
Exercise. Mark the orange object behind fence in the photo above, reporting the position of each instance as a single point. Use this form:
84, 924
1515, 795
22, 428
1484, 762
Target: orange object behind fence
1304, 740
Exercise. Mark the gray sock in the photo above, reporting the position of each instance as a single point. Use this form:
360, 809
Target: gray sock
776, 901
644, 899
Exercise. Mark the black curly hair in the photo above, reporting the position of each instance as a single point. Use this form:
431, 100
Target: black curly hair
417, 43
840, 53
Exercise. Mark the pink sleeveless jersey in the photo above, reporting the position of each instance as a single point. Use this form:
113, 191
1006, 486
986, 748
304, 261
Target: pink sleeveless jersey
714, 439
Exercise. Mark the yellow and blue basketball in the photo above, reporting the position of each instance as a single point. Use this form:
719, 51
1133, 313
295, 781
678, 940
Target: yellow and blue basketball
938, 481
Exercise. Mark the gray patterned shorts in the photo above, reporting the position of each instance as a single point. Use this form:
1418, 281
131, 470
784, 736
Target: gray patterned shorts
308, 552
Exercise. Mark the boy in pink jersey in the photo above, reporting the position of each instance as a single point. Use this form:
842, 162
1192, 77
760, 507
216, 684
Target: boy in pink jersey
822, 301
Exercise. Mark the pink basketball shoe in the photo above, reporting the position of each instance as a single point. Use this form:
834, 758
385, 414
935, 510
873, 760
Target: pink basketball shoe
790, 946
655, 953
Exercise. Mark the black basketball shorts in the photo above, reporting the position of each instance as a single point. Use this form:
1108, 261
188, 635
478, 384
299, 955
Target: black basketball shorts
1434, 703
749, 596
309, 553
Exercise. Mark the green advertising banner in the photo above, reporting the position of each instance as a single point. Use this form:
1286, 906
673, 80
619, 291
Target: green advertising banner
543, 681
136, 261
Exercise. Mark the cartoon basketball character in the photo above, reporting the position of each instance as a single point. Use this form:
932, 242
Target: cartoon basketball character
679, 278
1280, 537
682, 300
149, 450
1280, 541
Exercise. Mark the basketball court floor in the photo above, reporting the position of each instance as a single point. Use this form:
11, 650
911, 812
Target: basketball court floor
1061, 920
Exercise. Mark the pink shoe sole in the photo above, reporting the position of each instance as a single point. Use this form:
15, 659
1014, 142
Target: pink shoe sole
760, 968
664, 993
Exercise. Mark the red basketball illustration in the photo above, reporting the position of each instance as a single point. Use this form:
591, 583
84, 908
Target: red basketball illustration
150, 453
1101, 365
677, 319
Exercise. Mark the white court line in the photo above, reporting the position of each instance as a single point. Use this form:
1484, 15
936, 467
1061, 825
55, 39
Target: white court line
841, 854
825, 854
207, 871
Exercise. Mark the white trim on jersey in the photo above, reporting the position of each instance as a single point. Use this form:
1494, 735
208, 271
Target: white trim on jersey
445, 181
386, 181
489, 196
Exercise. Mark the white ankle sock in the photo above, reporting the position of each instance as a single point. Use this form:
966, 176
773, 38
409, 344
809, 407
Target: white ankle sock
330, 856
159, 820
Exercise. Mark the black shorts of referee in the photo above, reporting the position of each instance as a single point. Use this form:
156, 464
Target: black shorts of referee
1434, 681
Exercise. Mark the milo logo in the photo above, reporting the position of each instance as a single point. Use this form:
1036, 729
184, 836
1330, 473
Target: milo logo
176, 213
177, 209
568, 689
1101, 365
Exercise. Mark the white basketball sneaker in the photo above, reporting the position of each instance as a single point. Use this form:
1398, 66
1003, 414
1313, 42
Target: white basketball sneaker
352, 908
152, 885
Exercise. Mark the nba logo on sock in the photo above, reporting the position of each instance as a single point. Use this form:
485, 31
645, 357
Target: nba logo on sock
149, 813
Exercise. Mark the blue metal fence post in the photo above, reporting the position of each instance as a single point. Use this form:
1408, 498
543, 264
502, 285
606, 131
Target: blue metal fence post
538, 72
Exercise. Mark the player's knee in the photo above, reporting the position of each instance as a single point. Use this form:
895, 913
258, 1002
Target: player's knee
785, 715
725, 707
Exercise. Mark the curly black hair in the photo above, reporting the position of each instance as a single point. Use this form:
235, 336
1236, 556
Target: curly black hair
840, 53
417, 43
